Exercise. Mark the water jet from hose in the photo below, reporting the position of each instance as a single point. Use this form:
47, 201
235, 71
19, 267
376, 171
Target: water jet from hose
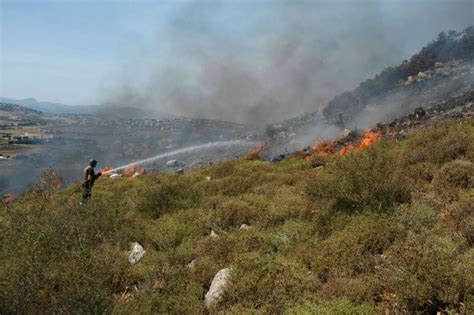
182, 150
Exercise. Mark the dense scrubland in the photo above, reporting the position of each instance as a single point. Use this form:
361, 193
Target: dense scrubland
387, 228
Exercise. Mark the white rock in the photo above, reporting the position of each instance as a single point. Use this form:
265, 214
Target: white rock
136, 253
115, 175
244, 227
208, 177
217, 289
136, 174
172, 163
213, 234
191, 264
282, 135
422, 75
410, 80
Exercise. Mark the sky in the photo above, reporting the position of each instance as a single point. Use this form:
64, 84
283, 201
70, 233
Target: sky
235, 60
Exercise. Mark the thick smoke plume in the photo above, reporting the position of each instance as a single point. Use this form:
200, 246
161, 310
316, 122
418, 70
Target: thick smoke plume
261, 62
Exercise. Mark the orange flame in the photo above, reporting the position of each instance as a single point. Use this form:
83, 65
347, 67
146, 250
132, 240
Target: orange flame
131, 171
328, 148
324, 148
58, 182
106, 169
128, 172
369, 137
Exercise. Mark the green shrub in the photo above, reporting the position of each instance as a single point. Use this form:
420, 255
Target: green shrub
338, 306
367, 180
169, 232
234, 213
55, 259
228, 186
423, 273
268, 283
168, 195
359, 289
351, 251
455, 174
418, 218
440, 144
460, 216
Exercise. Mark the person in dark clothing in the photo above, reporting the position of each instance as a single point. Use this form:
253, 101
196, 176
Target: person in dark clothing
89, 178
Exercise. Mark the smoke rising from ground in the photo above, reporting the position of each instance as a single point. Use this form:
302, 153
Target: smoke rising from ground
261, 62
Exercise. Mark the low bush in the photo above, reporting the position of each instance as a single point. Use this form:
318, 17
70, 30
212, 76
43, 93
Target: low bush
370, 180
234, 213
167, 195
337, 306
424, 272
455, 174
268, 283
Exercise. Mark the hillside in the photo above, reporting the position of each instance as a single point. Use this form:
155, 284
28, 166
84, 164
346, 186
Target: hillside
440, 73
49, 107
31, 140
109, 110
388, 228
442, 67
13, 114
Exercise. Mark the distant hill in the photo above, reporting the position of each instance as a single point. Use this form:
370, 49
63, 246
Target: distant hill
17, 114
49, 107
440, 60
100, 110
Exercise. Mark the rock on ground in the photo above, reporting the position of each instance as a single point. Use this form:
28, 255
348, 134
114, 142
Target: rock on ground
191, 264
213, 234
218, 286
244, 227
172, 163
136, 253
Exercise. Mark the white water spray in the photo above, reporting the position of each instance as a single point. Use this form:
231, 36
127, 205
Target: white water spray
183, 150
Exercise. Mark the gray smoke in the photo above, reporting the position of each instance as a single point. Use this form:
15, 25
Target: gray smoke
258, 62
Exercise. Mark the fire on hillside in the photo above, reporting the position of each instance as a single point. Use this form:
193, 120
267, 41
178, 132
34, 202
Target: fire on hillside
347, 142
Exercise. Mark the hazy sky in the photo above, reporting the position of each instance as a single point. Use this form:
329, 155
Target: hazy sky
175, 52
